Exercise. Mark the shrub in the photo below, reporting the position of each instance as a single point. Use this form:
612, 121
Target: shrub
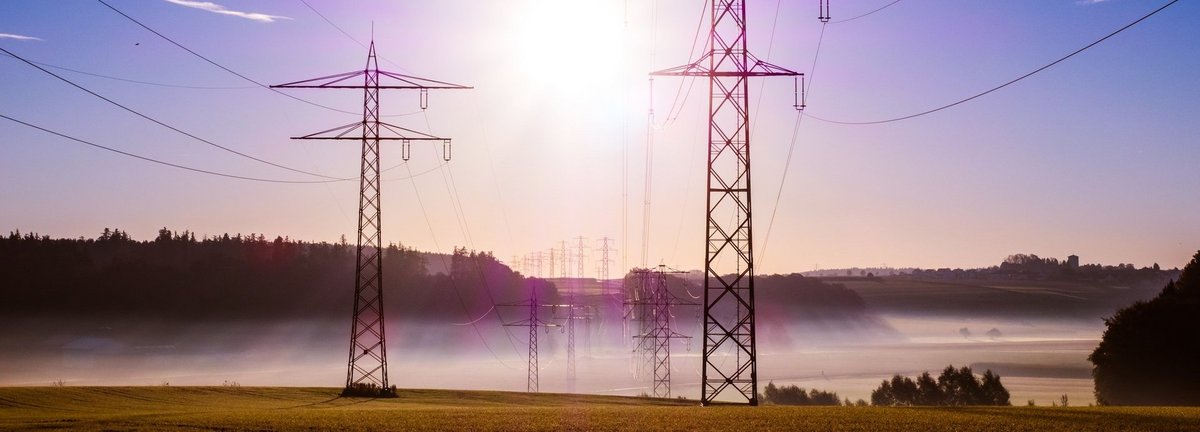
794, 395
368, 390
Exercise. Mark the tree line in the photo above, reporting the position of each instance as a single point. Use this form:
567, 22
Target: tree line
237, 277
954, 387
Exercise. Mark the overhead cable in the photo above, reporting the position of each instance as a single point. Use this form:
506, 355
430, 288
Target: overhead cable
1011, 82
173, 128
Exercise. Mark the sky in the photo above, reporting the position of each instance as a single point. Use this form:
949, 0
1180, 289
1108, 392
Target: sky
1095, 156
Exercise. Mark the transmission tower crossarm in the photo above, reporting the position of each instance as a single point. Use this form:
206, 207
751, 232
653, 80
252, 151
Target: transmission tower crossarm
754, 68
354, 131
405, 82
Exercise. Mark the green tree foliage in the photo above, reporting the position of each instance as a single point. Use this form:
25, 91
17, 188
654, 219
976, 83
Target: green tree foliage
1150, 350
793, 395
953, 387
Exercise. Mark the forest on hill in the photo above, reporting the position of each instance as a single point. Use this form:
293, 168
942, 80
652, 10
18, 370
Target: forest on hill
177, 277
235, 278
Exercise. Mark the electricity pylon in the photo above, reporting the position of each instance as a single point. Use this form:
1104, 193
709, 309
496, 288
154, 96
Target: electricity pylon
729, 356
576, 286
637, 321
537, 263
366, 369
534, 323
565, 259
655, 341
605, 248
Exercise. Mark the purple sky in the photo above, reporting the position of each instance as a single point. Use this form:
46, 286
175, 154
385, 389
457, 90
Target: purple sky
1095, 156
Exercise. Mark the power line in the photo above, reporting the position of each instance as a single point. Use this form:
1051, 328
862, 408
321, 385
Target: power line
327, 21
148, 159
868, 13
787, 164
199, 170
173, 128
465, 229
210, 61
115, 78
675, 103
1027, 75
454, 285
347, 34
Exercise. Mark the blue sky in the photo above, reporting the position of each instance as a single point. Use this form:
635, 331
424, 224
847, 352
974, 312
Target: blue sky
1095, 156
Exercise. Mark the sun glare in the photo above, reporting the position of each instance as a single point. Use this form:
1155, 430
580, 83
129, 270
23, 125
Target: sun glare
572, 47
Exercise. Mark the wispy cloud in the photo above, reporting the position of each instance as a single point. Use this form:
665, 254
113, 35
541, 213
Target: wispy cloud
1089, 2
18, 37
216, 8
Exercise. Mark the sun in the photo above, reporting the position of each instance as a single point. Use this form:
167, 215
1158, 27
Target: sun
573, 47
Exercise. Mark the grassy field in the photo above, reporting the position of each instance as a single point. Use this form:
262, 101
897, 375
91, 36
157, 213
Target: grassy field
256, 408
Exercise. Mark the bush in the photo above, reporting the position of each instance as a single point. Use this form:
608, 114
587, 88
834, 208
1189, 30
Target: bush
1149, 350
793, 395
952, 387
368, 390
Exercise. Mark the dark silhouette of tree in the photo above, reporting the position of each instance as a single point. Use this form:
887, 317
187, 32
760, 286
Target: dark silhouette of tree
794, 395
883, 396
1150, 350
992, 391
904, 390
952, 387
928, 392
960, 386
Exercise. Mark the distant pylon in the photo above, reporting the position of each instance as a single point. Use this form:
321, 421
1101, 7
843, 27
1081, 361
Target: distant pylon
565, 259
533, 322
366, 370
729, 355
575, 288
605, 248
637, 318
657, 338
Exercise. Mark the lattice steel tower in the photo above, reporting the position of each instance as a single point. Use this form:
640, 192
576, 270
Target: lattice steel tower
656, 339
729, 356
533, 322
366, 370
602, 272
575, 287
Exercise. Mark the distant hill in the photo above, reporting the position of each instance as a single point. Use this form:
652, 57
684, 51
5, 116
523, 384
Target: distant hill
966, 297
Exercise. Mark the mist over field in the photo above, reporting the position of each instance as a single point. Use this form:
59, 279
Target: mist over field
229, 310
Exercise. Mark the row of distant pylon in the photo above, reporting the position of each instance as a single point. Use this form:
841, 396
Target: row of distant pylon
568, 259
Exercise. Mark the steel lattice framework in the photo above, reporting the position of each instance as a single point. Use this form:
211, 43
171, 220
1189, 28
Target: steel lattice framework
366, 370
533, 322
729, 356
637, 321
575, 287
655, 341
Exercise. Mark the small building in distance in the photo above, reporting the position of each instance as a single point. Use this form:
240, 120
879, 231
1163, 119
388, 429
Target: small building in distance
1073, 262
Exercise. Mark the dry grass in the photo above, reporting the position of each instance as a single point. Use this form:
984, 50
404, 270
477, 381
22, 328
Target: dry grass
253, 408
